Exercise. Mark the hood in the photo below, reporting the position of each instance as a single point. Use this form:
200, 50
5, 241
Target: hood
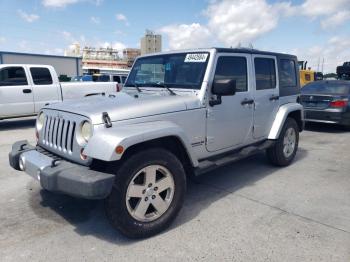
123, 106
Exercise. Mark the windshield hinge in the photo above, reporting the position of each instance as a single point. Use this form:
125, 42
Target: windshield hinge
106, 120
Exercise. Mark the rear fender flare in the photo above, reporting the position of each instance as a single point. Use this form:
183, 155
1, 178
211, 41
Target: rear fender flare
281, 117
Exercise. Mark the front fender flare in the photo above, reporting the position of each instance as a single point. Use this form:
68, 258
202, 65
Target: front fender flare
103, 143
281, 117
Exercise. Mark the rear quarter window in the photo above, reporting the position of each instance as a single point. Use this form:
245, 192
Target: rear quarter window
287, 73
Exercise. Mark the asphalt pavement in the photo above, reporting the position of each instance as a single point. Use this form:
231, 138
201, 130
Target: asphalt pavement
246, 211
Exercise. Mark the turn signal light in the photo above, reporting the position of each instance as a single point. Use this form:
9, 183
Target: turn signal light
119, 150
82, 155
339, 103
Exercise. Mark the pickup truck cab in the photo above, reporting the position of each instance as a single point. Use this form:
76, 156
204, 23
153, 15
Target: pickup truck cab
180, 114
25, 89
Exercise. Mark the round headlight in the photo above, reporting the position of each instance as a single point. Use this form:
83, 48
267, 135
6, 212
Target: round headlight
86, 131
40, 121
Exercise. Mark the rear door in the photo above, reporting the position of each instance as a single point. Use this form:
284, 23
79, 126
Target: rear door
45, 87
266, 94
16, 96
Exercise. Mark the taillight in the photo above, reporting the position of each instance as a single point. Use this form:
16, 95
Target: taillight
339, 103
117, 87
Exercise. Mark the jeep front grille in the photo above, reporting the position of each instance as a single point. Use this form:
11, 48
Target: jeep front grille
59, 133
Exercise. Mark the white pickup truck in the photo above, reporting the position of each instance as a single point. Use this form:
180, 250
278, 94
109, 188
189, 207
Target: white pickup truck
25, 89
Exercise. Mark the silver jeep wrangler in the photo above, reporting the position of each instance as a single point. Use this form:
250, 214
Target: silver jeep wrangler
180, 114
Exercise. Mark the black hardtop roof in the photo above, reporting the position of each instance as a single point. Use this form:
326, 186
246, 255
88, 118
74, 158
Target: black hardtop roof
251, 51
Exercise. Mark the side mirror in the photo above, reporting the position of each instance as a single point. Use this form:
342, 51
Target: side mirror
224, 87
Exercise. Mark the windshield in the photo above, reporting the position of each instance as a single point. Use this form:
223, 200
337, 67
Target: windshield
182, 70
326, 87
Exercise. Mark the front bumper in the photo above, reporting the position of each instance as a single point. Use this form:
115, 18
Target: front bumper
58, 175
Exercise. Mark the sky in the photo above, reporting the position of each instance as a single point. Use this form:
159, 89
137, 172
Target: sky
314, 30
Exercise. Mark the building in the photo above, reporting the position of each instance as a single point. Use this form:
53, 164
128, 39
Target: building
151, 43
64, 65
130, 54
97, 59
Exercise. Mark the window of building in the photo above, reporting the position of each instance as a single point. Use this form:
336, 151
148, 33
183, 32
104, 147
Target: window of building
265, 73
287, 73
13, 76
41, 76
233, 67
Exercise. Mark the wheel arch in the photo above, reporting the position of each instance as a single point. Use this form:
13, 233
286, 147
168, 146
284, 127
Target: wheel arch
292, 110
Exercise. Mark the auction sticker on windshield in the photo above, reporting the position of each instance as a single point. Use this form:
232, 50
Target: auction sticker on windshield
196, 58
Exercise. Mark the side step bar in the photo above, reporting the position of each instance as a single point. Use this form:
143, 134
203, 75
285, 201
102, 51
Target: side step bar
226, 158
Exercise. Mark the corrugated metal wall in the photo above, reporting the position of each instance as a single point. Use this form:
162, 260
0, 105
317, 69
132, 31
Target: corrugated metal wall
70, 66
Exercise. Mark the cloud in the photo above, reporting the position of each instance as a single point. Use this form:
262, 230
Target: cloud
95, 20
187, 36
335, 20
27, 17
230, 22
334, 52
2, 40
122, 18
323, 7
58, 3
237, 21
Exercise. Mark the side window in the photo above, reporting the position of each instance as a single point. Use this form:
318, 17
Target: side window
13, 76
265, 73
123, 79
287, 73
41, 76
233, 67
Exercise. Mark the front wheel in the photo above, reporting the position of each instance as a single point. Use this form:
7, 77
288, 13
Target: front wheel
148, 193
283, 151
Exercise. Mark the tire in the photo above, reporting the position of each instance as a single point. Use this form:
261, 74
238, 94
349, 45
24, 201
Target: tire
276, 154
124, 215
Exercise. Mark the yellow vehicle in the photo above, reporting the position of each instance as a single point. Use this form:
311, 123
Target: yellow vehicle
306, 74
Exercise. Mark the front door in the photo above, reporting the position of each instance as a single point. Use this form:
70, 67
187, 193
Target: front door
16, 94
229, 124
266, 94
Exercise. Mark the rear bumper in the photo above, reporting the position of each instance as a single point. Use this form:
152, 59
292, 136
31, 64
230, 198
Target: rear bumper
330, 117
60, 175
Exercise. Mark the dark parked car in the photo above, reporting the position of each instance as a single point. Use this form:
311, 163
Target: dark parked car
327, 102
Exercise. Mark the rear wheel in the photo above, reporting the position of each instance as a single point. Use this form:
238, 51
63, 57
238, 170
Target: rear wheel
286, 146
148, 193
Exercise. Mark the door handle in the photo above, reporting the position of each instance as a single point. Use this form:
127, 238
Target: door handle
247, 102
27, 91
274, 97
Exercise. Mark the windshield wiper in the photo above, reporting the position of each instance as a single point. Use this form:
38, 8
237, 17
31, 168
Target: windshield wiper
165, 86
136, 86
